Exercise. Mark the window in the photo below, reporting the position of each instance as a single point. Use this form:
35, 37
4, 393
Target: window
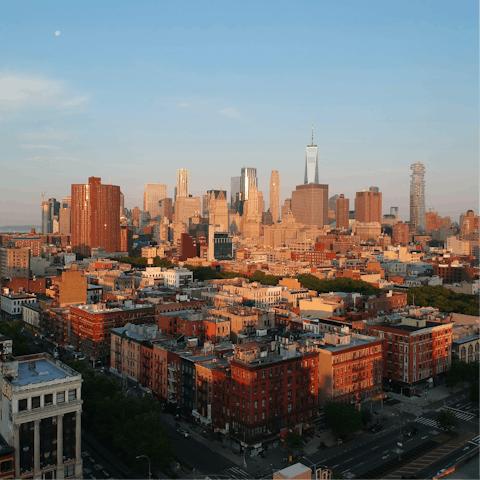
35, 402
48, 400
263, 402
6, 466
72, 395
22, 405
69, 470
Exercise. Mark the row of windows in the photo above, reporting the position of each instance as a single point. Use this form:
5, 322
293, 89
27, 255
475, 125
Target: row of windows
47, 400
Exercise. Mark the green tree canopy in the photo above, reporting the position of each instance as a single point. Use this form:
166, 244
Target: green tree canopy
127, 427
446, 420
19, 341
444, 299
343, 417
338, 285
264, 279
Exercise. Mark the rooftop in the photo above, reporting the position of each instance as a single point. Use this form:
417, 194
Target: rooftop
39, 370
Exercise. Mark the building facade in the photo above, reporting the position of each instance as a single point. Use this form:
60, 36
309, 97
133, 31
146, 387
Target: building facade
154, 192
310, 204
368, 206
183, 183
275, 196
417, 198
95, 220
41, 416
342, 214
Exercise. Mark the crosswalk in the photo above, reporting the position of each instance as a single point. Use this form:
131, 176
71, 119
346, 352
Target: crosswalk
460, 414
236, 472
427, 421
475, 441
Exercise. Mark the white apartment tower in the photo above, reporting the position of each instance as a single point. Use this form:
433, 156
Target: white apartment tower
417, 198
183, 187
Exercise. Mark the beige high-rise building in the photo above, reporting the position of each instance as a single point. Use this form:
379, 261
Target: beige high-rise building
310, 204
183, 185
275, 196
64, 220
14, 262
186, 208
218, 212
154, 192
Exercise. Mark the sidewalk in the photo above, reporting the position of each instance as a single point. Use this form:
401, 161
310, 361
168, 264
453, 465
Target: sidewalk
419, 405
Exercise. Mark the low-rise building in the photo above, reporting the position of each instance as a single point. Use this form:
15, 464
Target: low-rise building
349, 367
12, 303
41, 416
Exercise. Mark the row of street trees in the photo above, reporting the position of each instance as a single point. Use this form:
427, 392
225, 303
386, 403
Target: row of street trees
126, 427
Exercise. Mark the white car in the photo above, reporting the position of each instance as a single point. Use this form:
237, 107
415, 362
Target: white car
184, 433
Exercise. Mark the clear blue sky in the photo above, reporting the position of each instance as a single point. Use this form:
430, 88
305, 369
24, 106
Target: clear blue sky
131, 91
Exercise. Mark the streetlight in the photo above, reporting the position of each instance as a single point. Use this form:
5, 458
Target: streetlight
149, 473
314, 465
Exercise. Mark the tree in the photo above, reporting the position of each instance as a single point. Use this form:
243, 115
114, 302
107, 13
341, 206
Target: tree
19, 341
446, 420
366, 415
294, 441
474, 391
343, 417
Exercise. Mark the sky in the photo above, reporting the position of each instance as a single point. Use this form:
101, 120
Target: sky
132, 91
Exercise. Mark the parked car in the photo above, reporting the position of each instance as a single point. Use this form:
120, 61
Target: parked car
376, 428
411, 431
182, 432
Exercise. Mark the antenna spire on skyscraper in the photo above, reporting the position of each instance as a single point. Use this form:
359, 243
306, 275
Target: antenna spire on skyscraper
312, 132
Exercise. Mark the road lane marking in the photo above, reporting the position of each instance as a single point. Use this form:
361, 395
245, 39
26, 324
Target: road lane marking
373, 448
423, 438
384, 457
336, 465
386, 451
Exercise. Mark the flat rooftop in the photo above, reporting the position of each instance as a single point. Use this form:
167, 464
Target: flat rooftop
43, 371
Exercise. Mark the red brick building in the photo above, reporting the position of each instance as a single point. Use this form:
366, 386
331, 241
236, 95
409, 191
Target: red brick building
414, 352
400, 234
262, 392
343, 212
95, 217
368, 206
350, 368
90, 326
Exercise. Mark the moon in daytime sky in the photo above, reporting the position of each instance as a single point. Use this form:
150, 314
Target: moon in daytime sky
57, 33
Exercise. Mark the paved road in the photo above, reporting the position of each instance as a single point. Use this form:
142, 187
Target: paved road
194, 453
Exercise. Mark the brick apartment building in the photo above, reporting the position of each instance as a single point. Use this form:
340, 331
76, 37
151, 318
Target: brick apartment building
261, 392
350, 368
90, 326
416, 353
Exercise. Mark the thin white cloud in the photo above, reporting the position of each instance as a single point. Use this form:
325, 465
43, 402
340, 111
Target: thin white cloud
184, 105
57, 159
30, 147
22, 92
231, 112
74, 102
49, 134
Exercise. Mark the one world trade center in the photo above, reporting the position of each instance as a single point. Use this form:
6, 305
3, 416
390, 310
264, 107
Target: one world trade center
311, 163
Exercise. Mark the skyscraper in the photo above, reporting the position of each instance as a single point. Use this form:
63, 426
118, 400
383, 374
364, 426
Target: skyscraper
342, 212
311, 163
95, 221
154, 192
368, 206
235, 192
275, 196
183, 188
310, 204
417, 198
50, 210
248, 180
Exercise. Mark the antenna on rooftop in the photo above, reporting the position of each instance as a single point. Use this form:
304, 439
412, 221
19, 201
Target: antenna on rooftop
43, 195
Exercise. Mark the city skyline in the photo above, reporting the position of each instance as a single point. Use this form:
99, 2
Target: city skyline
385, 92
